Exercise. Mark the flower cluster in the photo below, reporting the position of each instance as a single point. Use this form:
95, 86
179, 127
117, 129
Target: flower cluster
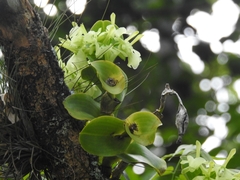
104, 41
200, 168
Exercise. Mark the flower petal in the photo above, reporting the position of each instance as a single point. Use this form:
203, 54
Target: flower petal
134, 59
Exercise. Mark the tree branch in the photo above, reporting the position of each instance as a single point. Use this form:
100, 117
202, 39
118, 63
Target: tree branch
37, 89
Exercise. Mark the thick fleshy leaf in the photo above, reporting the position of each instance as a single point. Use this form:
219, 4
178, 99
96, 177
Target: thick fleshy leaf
111, 76
104, 136
89, 73
142, 126
82, 106
122, 95
108, 103
94, 88
136, 153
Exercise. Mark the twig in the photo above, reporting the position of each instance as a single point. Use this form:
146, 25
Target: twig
181, 116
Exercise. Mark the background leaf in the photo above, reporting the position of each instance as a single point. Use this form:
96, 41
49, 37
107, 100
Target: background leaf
136, 153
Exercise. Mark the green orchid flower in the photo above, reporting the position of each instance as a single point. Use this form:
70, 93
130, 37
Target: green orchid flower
103, 42
193, 163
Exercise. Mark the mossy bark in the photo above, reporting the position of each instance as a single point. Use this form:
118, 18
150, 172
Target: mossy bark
38, 89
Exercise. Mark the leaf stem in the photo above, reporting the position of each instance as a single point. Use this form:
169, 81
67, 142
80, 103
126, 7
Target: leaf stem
118, 170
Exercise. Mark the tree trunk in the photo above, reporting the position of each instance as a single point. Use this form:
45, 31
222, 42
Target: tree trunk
48, 136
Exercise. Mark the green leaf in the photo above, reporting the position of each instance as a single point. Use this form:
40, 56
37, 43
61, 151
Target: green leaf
108, 103
82, 106
190, 149
111, 76
104, 136
94, 88
122, 95
137, 153
90, 74
142, 127
168, 171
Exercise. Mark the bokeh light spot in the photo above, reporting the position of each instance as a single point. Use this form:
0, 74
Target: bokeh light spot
158, 141
151, 40
216, 47
216, 83
211, 143
223, 107
138, 168
221, 23
41, 3
186, 54
131, 29
205, 84
221, 154
227, 80
76, 6
203, 131
238, 109
50, 9
1, 54
236, 86
226, 117
222, 95
210, 106
222, 58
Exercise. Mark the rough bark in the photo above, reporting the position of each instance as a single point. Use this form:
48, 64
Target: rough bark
37, 90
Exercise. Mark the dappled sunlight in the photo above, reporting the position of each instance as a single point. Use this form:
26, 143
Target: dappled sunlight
215, 123
231, 47
151, 40
222, 58
223, 107
205, 85
216, 83
138, 168
211, 143
186, 54
238, 109
221, 154
210, 28
76, 6
222, 95
50, 10
220, 23
218, 125
236, 86
210, 106
41, 3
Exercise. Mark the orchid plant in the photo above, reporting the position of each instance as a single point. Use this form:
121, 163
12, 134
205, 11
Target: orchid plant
98, 88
